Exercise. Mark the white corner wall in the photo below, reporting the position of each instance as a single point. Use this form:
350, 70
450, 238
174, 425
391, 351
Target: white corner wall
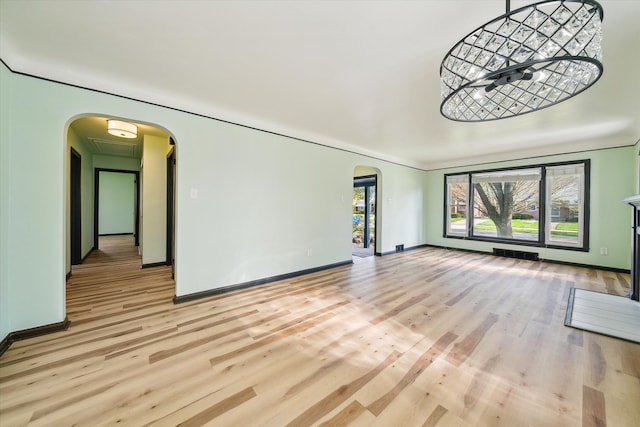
153, 219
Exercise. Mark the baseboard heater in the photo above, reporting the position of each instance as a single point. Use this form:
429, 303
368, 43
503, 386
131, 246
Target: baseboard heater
507, 253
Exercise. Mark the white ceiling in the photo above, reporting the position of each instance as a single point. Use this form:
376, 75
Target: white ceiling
358, 75
93, 130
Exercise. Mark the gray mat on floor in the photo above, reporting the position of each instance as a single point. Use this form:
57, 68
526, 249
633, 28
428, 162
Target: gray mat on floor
612, 315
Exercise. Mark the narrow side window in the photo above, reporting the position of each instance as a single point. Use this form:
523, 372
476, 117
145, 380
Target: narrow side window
565, 205
457, 204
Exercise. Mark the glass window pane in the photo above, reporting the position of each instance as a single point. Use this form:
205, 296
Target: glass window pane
565, 211
457, 208
505, 204
507, 209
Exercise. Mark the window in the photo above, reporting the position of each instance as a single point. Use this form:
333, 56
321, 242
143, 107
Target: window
541, 205
565, 189
503, 203
458, 189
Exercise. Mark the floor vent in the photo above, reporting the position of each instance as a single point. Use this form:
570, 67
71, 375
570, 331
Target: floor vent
399, 248
507, 253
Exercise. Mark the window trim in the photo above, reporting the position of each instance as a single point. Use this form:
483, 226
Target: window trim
542, 220
447, 207
472, 194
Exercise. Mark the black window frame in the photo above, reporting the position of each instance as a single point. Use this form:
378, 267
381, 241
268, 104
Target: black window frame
542, 236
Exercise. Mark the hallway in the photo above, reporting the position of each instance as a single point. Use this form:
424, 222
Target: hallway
110, 282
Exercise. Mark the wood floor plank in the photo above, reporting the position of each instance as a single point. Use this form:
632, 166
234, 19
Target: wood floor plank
214, 411
342, 393
418, 367
435, 416
163, 354
350, 413
463, 349
427, 337
593, 408
316, 320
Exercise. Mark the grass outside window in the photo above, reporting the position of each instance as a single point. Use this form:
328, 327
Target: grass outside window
530, 226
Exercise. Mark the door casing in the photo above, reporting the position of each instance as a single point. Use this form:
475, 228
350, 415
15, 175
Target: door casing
96, 204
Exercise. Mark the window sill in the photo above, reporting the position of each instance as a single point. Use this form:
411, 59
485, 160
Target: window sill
517, 243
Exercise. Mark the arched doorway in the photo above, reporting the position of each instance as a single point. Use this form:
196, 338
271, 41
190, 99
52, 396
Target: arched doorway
365, 213
111, 177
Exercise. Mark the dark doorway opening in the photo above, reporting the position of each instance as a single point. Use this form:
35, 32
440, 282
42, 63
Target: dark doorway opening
75, 196
171, 210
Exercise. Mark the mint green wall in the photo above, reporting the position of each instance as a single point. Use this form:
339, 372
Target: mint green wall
401, 206
263, 200
612, 179
113, 162
153, 220
6, 96
116, 207
35, 204
266, 204
636, 154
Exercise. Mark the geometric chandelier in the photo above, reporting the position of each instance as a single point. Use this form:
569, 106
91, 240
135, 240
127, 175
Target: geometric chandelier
523, 61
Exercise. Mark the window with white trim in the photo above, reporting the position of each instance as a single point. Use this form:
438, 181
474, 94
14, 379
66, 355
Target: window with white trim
542, 205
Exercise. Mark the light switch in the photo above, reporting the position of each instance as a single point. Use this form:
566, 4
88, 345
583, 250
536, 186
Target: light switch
193, 193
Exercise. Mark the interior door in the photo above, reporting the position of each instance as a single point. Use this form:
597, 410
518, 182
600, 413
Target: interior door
136, 204
75, 212
171, 211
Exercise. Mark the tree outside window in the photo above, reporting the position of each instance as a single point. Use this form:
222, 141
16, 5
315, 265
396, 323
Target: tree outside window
503, 202
507, 205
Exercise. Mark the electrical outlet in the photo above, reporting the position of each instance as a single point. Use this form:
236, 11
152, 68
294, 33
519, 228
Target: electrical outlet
604, 251
309, 252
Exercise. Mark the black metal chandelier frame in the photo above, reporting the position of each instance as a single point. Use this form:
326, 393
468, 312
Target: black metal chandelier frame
523, 61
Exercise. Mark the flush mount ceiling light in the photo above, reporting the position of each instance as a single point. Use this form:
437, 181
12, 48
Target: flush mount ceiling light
122, 129
523, 61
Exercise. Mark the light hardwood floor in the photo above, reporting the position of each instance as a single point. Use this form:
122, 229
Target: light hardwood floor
423, 338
